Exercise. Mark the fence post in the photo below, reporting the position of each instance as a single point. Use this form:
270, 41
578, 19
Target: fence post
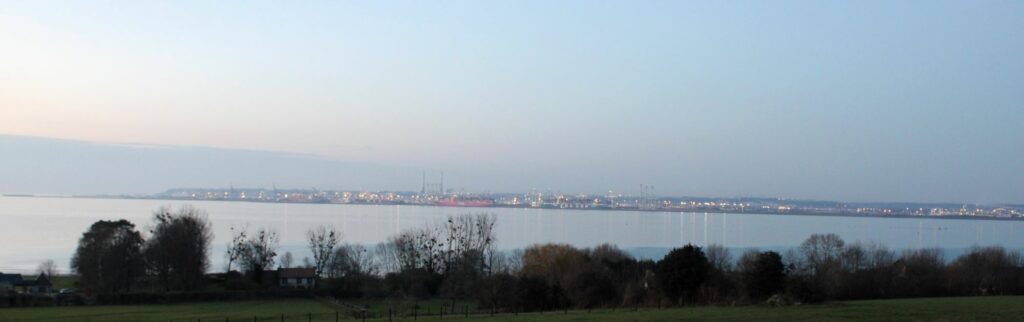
415, 312
282, 317
364, 315
310, 319
467, 311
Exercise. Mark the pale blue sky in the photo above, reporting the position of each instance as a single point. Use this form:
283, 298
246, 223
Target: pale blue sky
852, 100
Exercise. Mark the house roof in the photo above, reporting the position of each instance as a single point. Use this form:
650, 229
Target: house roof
43, 280
18, 280
10, 278
297, 272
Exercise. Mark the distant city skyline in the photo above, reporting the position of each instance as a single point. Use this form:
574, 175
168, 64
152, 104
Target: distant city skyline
646, 200
916, 101
37, 166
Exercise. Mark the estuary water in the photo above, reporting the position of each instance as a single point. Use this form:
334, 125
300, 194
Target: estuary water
33, 229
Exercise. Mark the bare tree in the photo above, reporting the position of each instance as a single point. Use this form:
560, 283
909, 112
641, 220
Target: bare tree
880, 256
607, 253
718, 284
259, 252
823, 257
411, 249
462, 243
48, 267
514, 261
350, 260
286, 260
822, 253
470, 235
322, 241
237, 246
555, 263
387, 257
719, 257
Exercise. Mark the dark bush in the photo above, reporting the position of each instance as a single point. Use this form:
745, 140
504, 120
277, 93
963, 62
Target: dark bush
919, 273
534, 294
594, 289
986, 271
498, 291
682, 272
761, 274
414, 282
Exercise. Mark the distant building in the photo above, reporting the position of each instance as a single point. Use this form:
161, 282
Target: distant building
41, 285
297, 277
11, 283
8, 281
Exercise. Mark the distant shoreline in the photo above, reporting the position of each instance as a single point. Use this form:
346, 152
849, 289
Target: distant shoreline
761, 213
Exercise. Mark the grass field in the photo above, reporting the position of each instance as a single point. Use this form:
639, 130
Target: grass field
269, 310
935, 309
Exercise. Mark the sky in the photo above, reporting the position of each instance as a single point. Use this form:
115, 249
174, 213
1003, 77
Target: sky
838, 100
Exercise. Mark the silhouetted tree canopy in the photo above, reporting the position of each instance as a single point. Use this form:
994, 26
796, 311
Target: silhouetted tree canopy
109, 257
682, 271
761, 274
177, 252
456, 259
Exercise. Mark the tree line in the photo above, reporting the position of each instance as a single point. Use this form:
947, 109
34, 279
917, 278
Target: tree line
113, 256
457, 259
823, 268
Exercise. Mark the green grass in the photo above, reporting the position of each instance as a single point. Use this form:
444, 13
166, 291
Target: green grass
268, 310
406, 306
934, 309
937, 309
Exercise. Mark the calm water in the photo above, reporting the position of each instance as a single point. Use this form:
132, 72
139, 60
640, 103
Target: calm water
35, 229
